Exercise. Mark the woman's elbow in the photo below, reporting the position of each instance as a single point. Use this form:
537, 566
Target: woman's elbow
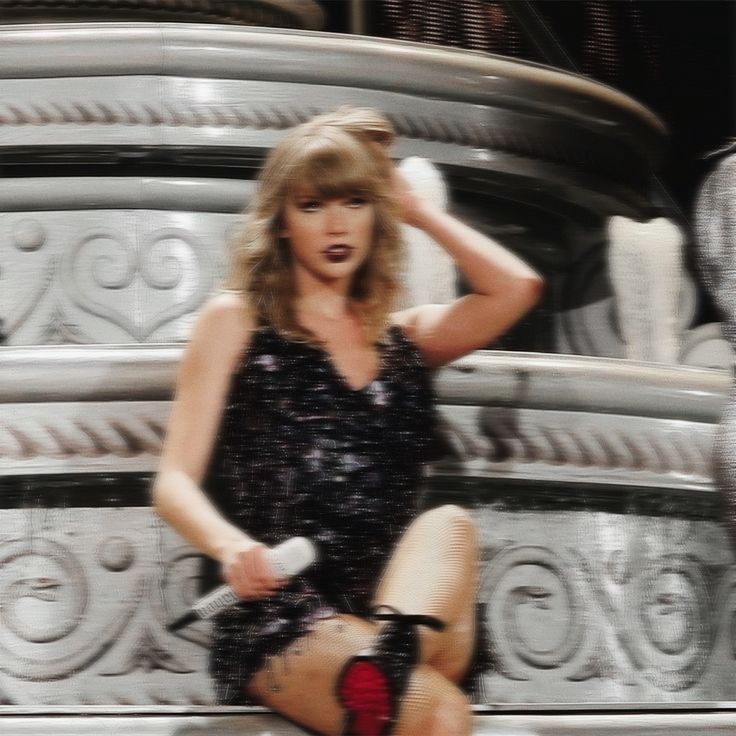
529, 291
160, 494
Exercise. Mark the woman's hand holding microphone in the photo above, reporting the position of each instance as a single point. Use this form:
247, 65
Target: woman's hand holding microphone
252, 571
249, 573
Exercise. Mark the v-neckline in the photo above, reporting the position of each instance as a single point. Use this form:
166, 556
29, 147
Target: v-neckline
340, 376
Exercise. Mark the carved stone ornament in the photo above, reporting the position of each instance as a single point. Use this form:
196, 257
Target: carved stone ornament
604, 570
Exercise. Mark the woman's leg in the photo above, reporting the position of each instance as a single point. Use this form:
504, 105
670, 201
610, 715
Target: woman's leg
301, 684
433, 571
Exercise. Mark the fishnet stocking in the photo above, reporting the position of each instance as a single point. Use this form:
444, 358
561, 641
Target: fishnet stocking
433, 572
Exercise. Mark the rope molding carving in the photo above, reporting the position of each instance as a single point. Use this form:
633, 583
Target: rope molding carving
618, 444
653, 445
118, 435
515, 141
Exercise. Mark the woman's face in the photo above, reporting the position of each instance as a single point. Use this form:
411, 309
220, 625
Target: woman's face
329, 238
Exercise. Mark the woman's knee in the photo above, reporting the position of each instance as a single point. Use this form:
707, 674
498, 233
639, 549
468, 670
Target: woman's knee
432, 706
448, 513
451, 716
451, 521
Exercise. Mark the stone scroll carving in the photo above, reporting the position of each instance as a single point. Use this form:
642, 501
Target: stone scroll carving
139, 277
85, 599
594, 608
648, 615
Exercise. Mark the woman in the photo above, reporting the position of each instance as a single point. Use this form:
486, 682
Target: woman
304, 407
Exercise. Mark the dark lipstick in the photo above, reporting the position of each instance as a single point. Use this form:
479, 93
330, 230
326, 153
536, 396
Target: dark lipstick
338, 253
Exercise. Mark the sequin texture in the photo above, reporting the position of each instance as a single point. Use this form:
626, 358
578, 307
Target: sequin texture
299, 452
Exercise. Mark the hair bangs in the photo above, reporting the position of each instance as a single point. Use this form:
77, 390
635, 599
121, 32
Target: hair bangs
330, 169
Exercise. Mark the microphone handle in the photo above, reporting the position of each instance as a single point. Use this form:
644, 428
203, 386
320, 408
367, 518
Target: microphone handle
286, 559
206, 607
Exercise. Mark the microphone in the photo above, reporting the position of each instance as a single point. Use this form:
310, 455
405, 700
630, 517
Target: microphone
286, 559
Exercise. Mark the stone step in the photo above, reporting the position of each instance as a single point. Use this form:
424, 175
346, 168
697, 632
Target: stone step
162, 721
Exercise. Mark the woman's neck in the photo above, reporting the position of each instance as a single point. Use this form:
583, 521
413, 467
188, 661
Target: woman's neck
330, 306
326, 300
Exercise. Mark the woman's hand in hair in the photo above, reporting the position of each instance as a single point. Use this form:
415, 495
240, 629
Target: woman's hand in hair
412, 206
410, 203
247, 571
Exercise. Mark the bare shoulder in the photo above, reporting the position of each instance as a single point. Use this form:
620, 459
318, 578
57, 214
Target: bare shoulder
405, 319
413, 321
445, 332
412, 318
222, 331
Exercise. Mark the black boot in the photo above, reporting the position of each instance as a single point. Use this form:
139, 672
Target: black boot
371, 684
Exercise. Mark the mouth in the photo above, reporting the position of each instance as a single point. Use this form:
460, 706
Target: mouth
338, 253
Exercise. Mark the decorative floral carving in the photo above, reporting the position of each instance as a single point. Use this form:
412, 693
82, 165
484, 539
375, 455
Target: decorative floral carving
182, 576
116, 554
29, 235
113, 278
535, 609
37, 572
673, 621
148, 654
26, 306
60, 331
46, 634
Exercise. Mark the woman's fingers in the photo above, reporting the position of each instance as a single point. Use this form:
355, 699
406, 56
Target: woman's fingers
250, 574
410, 203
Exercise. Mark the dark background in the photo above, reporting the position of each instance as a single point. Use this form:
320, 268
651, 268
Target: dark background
678, 57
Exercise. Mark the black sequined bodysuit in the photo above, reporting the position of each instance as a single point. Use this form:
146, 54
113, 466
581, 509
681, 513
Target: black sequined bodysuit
300, 452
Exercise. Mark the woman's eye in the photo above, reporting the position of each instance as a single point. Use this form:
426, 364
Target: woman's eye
357, 201
309, 205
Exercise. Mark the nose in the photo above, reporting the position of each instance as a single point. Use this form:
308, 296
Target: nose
335, 216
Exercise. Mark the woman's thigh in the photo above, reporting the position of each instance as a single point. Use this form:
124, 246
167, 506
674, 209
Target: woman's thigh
434, 571
300, 683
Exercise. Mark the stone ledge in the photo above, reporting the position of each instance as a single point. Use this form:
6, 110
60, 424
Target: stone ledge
168, 722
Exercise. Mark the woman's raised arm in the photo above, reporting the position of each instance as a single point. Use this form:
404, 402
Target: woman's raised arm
504, 287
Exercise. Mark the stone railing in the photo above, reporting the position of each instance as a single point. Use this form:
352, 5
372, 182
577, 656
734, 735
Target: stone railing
606, 575
129, 149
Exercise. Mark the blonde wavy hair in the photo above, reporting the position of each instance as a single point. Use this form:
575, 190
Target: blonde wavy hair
343, 153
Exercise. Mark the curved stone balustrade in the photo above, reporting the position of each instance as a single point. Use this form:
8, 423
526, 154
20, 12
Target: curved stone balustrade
524, 380
507, 412
220, 94
535, 157
605, 572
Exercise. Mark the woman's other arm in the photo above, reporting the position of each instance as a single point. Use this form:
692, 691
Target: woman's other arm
220, 336
503, 286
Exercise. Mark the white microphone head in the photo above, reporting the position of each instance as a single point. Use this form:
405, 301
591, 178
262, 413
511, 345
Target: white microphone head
292, 556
